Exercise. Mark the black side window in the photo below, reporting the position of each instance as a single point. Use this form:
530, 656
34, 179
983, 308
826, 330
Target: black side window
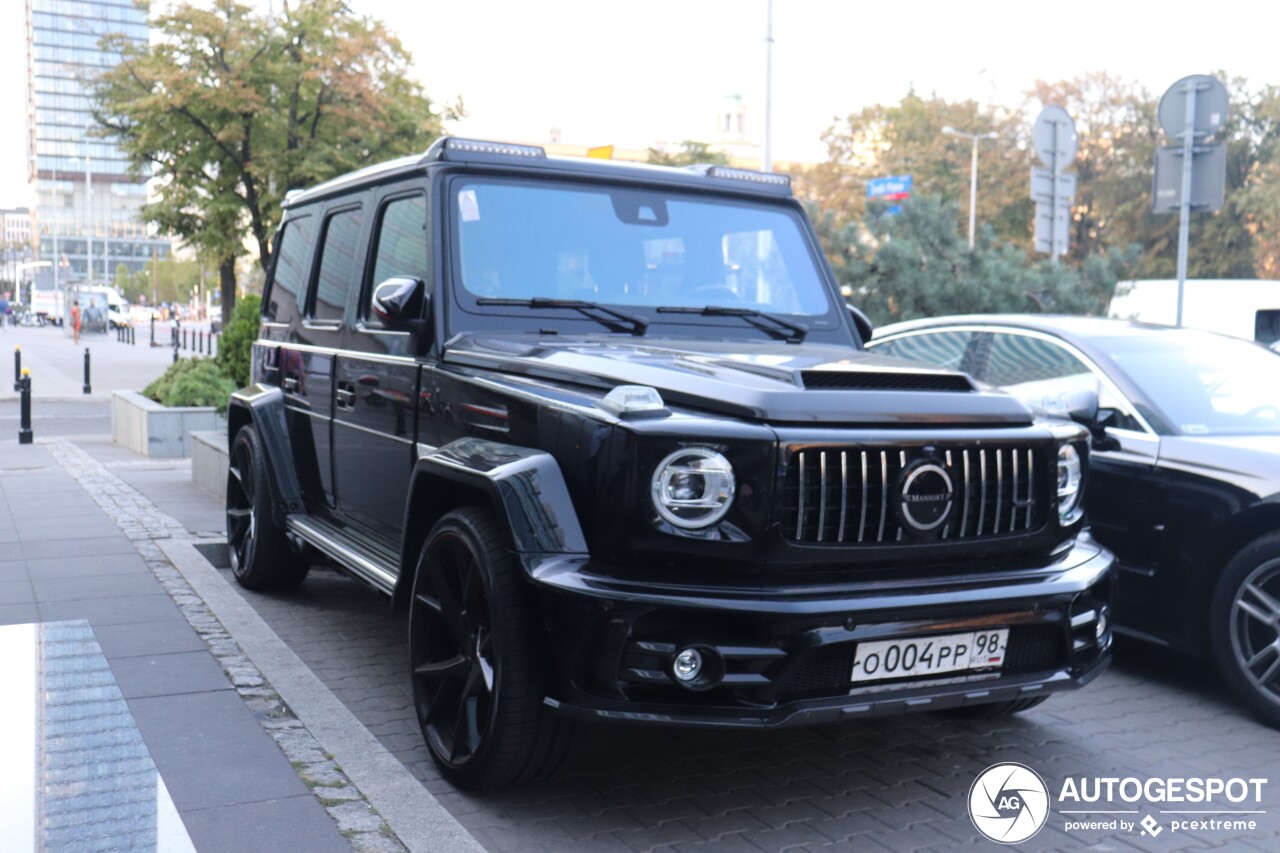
337, 264
1021, 359
939, 349
293, 262
401, 244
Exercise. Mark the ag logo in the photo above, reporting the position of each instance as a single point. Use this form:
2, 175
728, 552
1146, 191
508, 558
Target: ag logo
1008, 803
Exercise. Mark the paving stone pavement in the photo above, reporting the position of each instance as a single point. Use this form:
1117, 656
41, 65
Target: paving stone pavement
897, 784
143, 523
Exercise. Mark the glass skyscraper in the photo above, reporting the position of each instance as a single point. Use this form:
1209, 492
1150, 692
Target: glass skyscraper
86, 202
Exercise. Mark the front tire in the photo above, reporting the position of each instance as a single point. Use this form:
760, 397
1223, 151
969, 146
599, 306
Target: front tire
261, 557
1245, 626
476, 688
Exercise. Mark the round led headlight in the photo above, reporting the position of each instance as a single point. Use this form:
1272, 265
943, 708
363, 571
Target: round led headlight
1070, 483
693, 487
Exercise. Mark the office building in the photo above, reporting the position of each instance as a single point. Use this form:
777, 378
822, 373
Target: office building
86, 203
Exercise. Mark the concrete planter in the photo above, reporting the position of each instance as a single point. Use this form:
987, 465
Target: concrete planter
209, 461
144, 426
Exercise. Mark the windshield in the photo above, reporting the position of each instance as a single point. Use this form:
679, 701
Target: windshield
632, 249
1204, 384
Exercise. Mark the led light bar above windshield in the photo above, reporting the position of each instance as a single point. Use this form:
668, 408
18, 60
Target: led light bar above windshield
453, 145
749, 175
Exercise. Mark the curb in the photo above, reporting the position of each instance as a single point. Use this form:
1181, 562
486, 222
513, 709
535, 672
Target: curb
409, 809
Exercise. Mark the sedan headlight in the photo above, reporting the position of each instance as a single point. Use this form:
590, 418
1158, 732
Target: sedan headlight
693, 487
1070, 484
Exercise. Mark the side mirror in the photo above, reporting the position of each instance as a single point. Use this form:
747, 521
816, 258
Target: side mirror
862, 323
398, 300
1081, 406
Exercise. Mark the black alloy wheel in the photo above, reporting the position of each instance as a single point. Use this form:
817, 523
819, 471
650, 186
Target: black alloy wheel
1245, 626
261, 557
475, 684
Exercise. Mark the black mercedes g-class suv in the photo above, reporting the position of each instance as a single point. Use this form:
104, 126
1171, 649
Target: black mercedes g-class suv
608, 431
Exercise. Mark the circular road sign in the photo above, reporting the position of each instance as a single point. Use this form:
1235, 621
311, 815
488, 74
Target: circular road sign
1211, 106
1053, 125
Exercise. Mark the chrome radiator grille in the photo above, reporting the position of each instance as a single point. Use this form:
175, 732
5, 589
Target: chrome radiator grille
850, 496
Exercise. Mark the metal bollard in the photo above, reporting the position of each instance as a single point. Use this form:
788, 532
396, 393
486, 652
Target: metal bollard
133, 337
184, 338
24, 427
88, 389
153, 329
17, 368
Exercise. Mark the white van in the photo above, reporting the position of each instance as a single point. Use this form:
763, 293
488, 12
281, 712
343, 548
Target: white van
1243, 308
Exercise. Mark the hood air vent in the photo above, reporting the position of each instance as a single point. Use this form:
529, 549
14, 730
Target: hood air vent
857, 380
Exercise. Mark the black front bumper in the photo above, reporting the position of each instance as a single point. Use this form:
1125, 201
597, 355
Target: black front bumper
787, 658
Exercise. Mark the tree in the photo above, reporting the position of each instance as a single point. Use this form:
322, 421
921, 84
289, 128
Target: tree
690, 153
907, 139
229, 110
917, 264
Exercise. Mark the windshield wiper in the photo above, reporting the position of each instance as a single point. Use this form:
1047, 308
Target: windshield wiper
783, 329
621, 322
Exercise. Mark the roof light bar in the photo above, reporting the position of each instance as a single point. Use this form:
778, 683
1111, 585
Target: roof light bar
748, 175
453, 144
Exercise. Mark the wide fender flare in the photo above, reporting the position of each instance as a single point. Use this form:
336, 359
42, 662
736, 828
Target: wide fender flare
263, 407
525, 488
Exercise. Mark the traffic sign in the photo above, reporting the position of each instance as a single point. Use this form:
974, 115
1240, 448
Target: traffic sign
1042, 186
893, 188
1055, 131
1210, 107
1208, 178
1048, 231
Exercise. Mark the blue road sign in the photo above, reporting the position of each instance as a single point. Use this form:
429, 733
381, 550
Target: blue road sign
893, 188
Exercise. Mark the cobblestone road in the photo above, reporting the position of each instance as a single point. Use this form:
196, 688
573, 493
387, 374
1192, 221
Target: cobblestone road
899, 784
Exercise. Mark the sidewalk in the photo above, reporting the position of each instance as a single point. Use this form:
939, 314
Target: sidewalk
68, 563
57, 364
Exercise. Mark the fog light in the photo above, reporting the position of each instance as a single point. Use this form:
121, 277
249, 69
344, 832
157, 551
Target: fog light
688, 665
1104, 623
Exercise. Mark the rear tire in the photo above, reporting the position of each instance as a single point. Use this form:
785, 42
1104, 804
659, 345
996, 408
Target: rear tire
1244, 626
476, 684
993, 710
261, 557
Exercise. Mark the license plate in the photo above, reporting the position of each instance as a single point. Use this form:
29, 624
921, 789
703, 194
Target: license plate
922, 656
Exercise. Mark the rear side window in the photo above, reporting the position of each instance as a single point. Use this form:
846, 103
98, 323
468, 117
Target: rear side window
939, 349
1021, 359
293, 263
337, 264
401, 243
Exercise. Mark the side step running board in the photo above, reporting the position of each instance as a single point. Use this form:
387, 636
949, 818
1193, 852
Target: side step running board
326, 539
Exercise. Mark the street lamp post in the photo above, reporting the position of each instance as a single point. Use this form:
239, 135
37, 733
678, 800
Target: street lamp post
975, 138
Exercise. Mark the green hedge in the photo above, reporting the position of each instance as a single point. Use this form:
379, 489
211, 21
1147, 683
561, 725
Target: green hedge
236, 343
192, 382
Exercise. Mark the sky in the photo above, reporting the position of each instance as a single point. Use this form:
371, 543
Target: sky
634, 74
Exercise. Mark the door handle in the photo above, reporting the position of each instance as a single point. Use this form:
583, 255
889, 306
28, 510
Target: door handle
291, 383
346, 396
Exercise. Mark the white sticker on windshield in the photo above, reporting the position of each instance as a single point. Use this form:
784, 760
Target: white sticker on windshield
1195, 429
468, 206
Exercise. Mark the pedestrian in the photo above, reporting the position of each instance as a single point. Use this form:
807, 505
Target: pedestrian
75, 322
5, 309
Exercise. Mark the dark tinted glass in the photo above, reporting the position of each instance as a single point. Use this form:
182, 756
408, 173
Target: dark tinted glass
337, 264
402, 242
939, 349
292, 265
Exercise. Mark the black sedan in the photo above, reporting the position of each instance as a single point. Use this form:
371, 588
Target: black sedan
1185, 468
